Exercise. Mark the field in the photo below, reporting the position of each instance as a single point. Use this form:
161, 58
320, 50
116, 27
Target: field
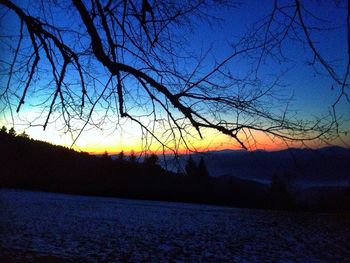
36, 226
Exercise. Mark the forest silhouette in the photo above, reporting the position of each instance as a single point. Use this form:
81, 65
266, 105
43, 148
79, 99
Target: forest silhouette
40, 166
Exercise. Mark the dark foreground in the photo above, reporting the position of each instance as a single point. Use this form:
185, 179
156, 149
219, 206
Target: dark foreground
46, 227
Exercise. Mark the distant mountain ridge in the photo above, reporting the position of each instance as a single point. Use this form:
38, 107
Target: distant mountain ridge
326, 149
308, 167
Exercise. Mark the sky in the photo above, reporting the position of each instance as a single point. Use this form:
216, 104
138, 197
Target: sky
311, 90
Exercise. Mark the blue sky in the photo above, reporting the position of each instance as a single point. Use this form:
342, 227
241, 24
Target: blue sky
311, 89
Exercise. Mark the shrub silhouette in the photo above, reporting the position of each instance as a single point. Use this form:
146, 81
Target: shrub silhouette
3, 129
191, 167
12, 132
202, 169
280, 191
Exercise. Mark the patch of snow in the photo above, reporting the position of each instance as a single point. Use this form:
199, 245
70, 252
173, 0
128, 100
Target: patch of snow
94, 229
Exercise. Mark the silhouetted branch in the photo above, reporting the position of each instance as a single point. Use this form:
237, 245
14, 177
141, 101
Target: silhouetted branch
135, 45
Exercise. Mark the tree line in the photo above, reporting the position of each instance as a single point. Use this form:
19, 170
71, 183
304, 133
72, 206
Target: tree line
36, 165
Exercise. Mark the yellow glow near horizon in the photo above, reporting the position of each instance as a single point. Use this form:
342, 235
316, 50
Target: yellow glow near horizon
212, 141
127, 138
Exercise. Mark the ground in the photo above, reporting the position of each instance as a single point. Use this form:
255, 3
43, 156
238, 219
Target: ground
47, 227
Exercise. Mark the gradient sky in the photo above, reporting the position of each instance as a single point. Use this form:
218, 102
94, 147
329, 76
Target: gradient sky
312, 93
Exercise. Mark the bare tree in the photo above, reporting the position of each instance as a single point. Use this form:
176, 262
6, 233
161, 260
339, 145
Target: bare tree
95, 62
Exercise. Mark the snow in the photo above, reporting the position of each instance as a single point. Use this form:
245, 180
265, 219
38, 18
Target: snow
36, 225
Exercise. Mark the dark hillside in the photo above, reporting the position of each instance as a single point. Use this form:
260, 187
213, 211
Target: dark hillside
36, 165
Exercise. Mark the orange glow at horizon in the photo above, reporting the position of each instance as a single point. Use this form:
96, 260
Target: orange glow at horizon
113, 141
212, 141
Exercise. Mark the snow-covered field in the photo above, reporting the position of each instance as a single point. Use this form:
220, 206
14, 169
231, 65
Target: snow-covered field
55, 227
